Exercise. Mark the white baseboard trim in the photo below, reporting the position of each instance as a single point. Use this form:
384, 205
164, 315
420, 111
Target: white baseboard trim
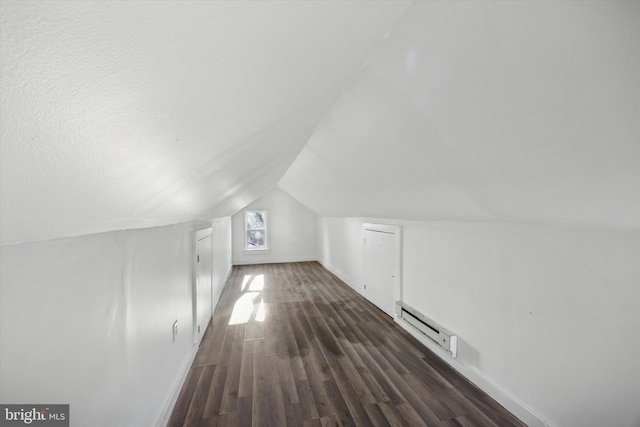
163, 419
226, 276
513, 405
339, 275
269, 260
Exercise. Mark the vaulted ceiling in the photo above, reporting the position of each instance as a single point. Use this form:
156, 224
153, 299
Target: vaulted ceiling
490, 111
130, 114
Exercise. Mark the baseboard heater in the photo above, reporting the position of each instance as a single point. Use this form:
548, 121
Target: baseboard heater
444, 338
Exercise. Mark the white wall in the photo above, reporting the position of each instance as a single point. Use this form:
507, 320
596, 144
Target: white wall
88, 321
548, 315
292, 231
222, 262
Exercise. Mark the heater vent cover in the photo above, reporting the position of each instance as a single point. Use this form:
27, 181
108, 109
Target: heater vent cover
443, 337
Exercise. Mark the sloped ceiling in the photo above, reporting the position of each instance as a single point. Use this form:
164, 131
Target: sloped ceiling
507, 111
129, 114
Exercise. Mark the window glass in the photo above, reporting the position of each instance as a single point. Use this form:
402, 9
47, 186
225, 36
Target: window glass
256, 230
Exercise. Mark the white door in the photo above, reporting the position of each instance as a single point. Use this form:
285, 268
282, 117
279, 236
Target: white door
203, 282
382, 285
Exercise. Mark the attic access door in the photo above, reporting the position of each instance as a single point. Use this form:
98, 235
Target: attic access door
382, 265
204, 270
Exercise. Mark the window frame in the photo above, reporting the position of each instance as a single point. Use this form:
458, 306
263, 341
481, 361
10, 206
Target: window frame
265, 230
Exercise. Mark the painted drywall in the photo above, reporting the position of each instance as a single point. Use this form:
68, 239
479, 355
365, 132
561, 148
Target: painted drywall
340, 248
222, 256
292, 231
547, 315
487, 110
88, 321
121, 115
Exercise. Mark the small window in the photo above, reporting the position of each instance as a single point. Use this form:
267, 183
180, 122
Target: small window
255, 224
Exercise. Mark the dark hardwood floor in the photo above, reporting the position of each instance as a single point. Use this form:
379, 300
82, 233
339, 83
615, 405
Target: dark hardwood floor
292, 345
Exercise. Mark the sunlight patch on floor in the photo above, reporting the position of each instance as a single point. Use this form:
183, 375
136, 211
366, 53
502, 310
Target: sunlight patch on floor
249, 301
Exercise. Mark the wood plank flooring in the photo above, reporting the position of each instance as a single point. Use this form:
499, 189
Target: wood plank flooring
292, 345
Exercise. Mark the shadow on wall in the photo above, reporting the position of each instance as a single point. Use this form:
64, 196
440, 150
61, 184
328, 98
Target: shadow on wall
467, 353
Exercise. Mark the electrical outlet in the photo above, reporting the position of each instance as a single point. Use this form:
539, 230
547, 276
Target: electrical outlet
175, 330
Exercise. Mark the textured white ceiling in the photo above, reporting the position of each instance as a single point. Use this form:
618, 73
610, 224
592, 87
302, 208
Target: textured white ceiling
127, 114
509, 111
